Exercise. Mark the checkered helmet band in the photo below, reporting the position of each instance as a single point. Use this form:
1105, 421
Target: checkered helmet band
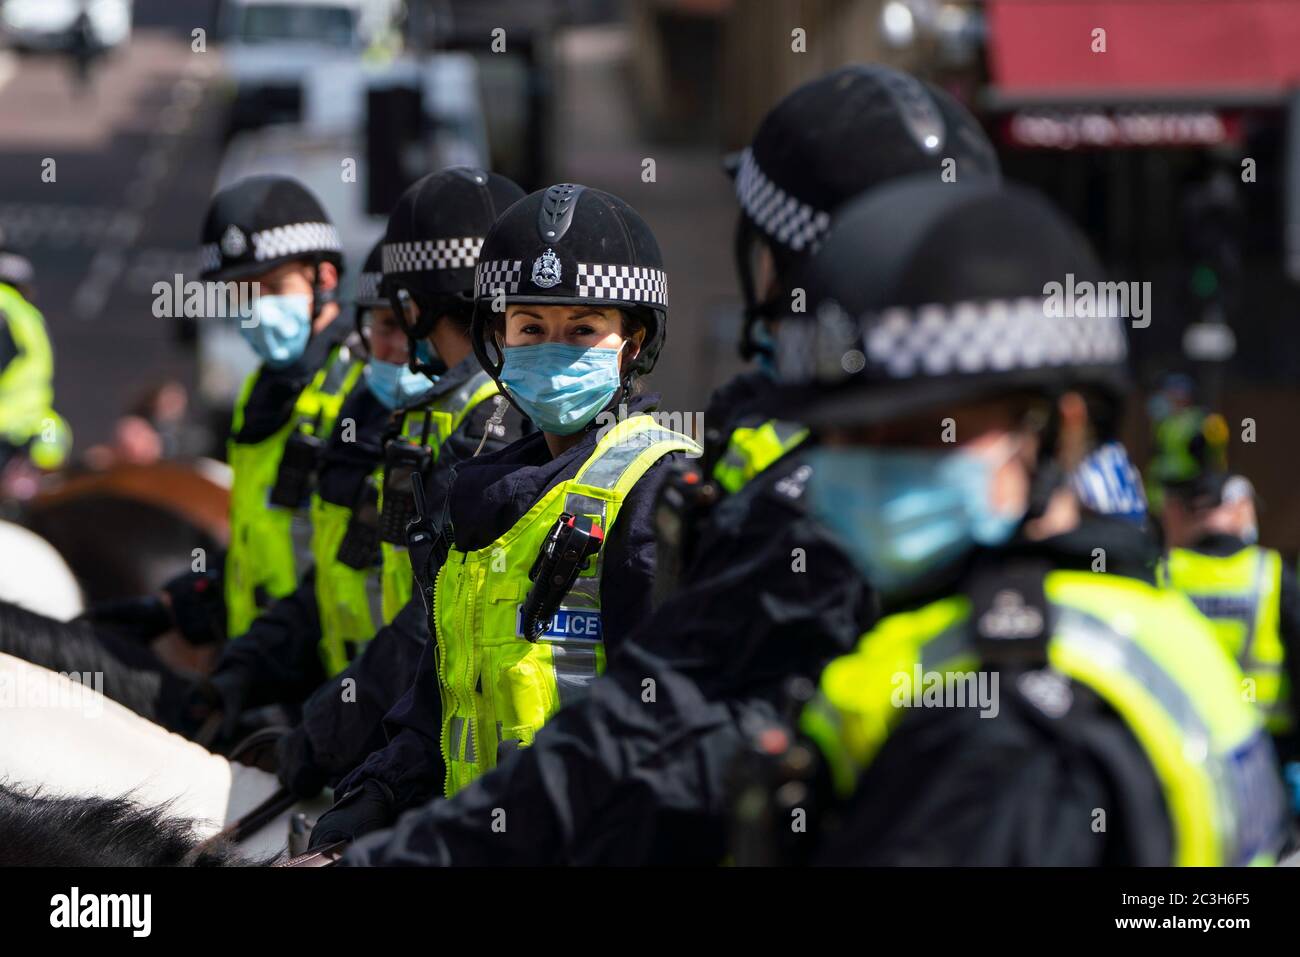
597, 281
430, 254
966, 338
625, 283
368, 286
789, 221
295, 239
497, 274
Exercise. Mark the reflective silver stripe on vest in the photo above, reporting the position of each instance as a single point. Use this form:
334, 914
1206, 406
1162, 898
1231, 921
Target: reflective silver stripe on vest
575, 670
1092, 637
949, 644
461, 726
458, 399
605, 470
300, 535
1246, 660
337, 373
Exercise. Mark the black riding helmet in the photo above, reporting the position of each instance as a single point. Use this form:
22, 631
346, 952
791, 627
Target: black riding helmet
572, 245
261, 222
367, 295
831, 140
432, 244
957, 305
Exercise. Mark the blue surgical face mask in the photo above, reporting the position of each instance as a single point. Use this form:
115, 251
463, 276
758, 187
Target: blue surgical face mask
394, 384
278, 327
904, 514
561, 387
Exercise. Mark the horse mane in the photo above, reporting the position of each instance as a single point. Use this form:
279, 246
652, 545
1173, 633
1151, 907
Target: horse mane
133, 675
37, 830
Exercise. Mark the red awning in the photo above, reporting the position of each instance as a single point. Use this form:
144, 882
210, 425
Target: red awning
1182, 47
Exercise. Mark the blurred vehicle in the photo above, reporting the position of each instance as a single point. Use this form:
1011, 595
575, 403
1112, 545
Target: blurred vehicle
39, 25
367, 131
269, 44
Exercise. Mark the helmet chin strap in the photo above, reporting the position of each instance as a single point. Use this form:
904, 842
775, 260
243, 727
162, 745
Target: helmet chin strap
1048, 475
320, 296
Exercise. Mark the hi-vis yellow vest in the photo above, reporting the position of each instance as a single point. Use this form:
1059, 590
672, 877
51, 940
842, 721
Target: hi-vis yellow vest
1241, 594
349, 600
444, 416
498, 688
27, 382
751, 450
1143, 650
270, 546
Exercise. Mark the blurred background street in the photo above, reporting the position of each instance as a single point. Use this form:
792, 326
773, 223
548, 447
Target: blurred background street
144, 118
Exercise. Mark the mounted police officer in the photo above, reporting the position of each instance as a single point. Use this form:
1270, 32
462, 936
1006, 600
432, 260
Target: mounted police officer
735, 623
949, 402
272, 231
825, 143
282, 656
545, 561
442, 410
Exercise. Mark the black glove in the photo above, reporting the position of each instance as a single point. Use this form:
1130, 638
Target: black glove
222, 693
367, 807
139, 619
198, 607
296, 765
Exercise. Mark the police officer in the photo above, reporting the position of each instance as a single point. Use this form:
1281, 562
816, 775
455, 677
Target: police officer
548, 550
443, 411
430, 249
28, 422
290, 647
948, 403
271, 231
825, 143
1246, 590
735, 623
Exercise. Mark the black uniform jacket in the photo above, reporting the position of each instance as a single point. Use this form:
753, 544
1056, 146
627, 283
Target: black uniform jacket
638, 772
489, 496
341, 718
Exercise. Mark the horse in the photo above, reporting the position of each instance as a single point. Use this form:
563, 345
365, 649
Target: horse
63, 735
133, 676
127, 530
35, 576
39, 830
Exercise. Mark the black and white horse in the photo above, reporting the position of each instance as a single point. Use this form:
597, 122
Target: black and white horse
64, 737
37, 830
